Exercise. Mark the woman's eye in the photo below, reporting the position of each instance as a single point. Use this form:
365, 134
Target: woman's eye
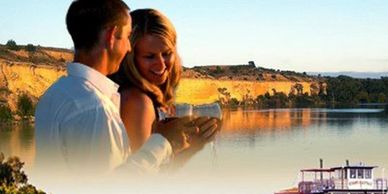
167, 54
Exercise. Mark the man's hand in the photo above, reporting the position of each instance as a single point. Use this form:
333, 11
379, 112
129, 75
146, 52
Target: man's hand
177, 131
208, 128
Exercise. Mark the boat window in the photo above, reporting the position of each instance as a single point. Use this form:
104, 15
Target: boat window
360, 173
339, 173
352, 173
368, 173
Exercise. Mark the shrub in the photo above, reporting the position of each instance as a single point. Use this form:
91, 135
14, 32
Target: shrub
234, 102
11, 45
218, 70
13, 180
363, 97
4, 90
381, 98
5, 113
25, 106
30, 48
251, 64
305, 101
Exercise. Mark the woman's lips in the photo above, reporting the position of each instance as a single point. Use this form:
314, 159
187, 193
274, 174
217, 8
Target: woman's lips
158, 73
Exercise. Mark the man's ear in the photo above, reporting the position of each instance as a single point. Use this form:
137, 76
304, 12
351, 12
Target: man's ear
110, 36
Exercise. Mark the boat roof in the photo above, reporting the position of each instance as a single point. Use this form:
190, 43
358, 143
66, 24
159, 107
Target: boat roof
354, 167
337, 168
317, 170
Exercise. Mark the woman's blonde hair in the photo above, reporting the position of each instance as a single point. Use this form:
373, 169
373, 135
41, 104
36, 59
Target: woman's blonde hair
150, 22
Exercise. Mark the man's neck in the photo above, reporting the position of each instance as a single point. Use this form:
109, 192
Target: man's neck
94, 59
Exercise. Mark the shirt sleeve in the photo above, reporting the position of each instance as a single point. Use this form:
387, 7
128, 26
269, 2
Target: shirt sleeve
95, 139
149, 158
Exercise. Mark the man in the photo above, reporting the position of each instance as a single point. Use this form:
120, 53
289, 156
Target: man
78, 124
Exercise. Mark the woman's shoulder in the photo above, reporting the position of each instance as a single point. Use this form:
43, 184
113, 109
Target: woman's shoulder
135, 96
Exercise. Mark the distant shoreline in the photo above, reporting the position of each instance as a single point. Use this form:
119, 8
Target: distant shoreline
354, 74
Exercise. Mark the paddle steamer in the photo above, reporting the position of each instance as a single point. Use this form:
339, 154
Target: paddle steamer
348, 179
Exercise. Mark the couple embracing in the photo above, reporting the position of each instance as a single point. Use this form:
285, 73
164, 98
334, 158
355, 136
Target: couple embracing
105, 114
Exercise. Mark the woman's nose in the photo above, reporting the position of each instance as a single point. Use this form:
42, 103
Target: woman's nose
160, 63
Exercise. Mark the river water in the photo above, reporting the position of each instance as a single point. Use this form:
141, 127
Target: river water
258, 151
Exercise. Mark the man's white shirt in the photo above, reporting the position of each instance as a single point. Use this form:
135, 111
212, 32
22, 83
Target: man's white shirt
78, 126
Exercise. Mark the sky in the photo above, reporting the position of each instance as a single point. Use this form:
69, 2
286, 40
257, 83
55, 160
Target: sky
297, 35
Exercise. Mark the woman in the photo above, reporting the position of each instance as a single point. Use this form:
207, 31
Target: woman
149, 75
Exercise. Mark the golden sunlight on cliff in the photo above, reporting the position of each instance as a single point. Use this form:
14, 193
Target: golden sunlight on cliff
32, 73
18, 77
200, 91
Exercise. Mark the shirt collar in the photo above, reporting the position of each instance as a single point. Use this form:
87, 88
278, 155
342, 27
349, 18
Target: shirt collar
100, 81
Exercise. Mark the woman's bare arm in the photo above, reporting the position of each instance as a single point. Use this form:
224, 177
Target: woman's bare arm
138, 114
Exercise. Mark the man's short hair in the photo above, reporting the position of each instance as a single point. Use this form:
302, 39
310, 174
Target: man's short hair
86, 19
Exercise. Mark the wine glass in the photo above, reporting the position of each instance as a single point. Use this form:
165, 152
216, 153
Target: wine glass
210, 110
183, 110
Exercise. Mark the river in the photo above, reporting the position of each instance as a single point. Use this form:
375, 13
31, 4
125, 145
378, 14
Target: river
262, 151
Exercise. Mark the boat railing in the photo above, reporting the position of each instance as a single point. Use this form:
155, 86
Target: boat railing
381, 183
316, 185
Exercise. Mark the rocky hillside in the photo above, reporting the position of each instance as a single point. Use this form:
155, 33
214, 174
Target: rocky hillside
31, 70
206, 84
37, 55
245, 72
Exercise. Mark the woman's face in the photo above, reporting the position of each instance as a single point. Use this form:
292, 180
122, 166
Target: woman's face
154, 58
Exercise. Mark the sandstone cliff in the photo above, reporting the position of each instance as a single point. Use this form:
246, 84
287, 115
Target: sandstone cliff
200, 91
32, 73
17, 78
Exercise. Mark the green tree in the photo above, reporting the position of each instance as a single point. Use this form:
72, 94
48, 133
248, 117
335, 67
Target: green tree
261, 101
343, 89
279, 100
251, 64
5, 113
11, 45
234, 102
373, 85
267, 95
13, 180
385, 83
305, 100
25, 106
30, 48
363, 97
381, 98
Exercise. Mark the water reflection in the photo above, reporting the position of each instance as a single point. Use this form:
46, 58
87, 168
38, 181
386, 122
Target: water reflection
268, 121
265, 146
18, 140
238, 125
286, 120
